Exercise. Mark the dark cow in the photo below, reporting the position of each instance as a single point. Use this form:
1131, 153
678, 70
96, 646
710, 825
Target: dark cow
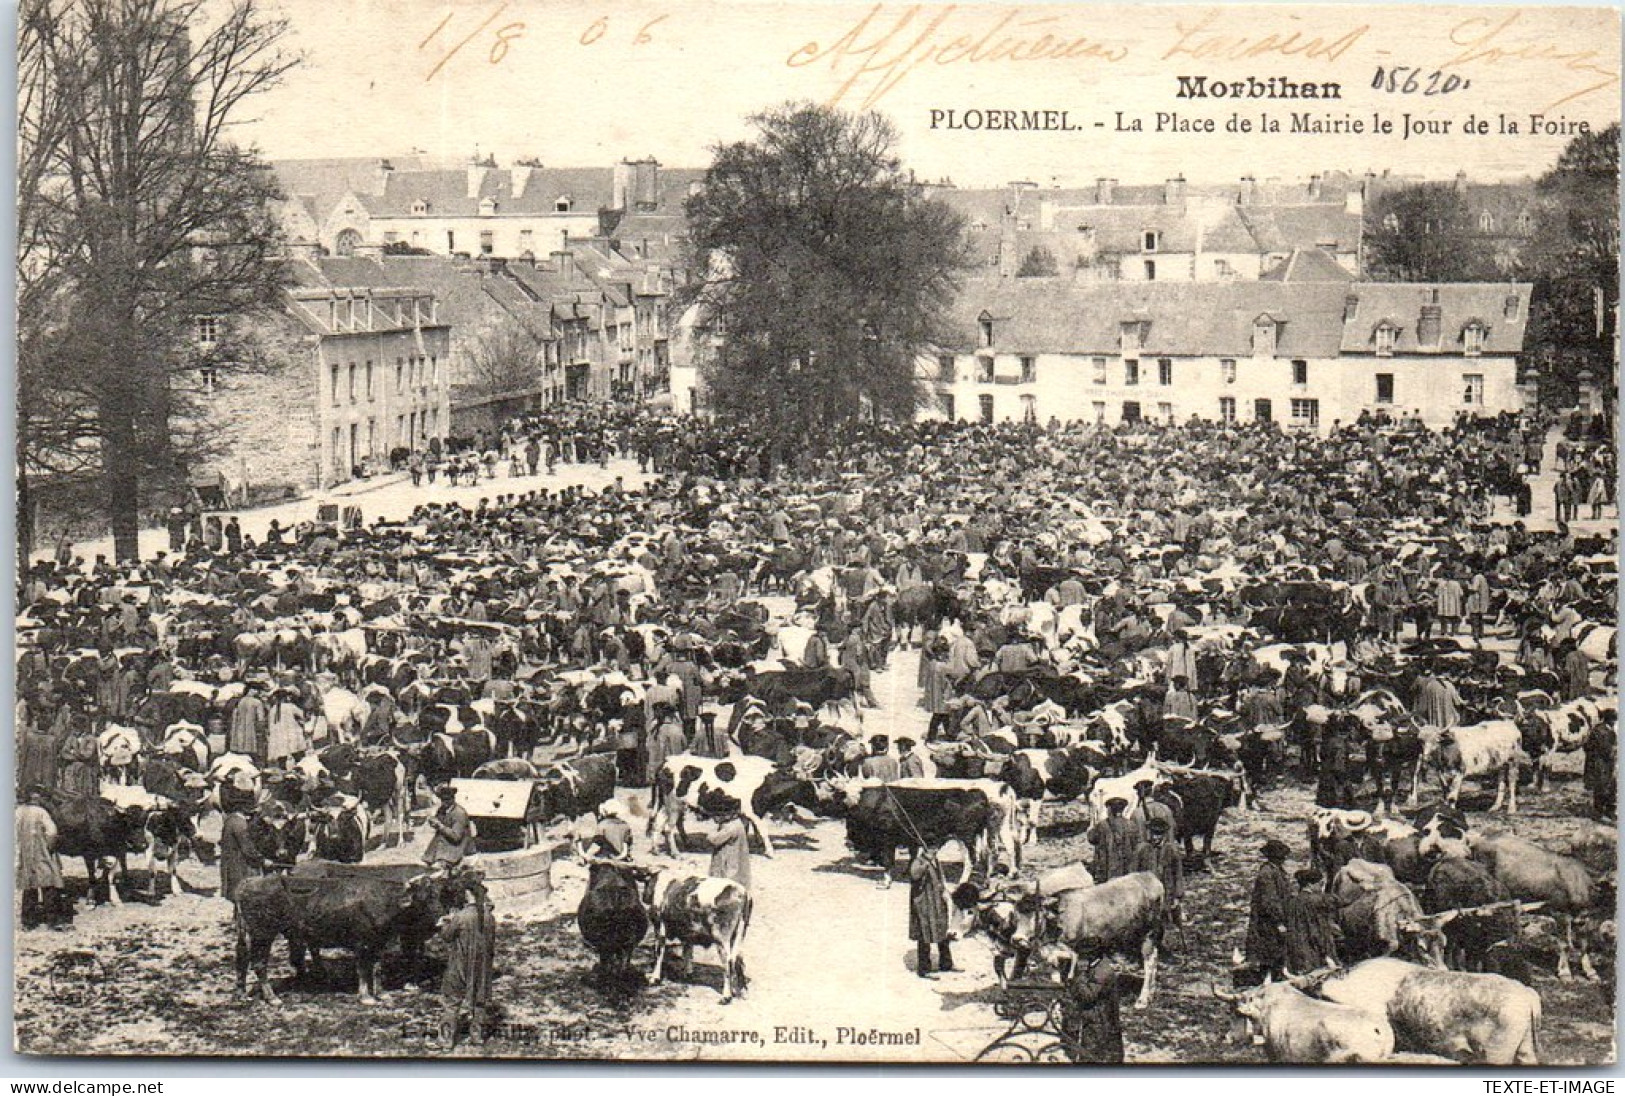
279, 836
445, 756
690, 911
97, 831
611, 917
569, 789
817, 686
360, 913
340, 833
886, 816
1456, 884
1198, 802
1061, 774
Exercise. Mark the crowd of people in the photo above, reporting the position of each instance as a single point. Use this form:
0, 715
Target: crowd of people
1150, 533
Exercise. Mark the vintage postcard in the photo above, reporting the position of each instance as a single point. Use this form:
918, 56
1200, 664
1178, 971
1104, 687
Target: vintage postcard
836, 532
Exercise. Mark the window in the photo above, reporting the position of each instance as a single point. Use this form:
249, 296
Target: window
1029, 409
434, 370
420, 207
948, 406
1131, 410
1509, 308
984, 370
1223, 269
1227, 409
1029, 370
400, 375
1264, 332
334, 387
1472, 339
487, 243
1387, 333
372, 437
1129, 335
984, 406
1351, 307
1148, 240
369, 380
1486, 223
562, 204
208, 331
525, 242
1227, 370
488, 207
209, 379
1165, 371
391, 238
1472, 389
1306, 413
1150, 270
1300, 371
1131, 371
945, 369
1524, 223
1165, 412
1263, 411
451, 241
1385, 388
1100, 370
1100, 411
1391, 222
987, 330
352, 382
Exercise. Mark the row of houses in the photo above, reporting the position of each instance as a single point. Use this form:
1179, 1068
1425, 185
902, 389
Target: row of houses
1306, 354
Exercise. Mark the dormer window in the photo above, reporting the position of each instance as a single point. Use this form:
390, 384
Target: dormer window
1132, 335
1386, 335
1472, 338
420, 207
984, 324
1391, 222
1265, 331
1510, 308
1351, 308
563, 203
1486, 223
488, 207
1149, 239
1524, 222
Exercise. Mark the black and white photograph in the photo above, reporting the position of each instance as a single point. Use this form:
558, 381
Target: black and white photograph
827, 533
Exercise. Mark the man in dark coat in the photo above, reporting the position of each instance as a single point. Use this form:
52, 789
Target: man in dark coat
239, 857
1089, 1016
1114, 839
1273, 894
1164, 859
1311, 932
467, 940
928, 912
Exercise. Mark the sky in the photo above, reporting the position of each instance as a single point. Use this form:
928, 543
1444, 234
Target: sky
584, 82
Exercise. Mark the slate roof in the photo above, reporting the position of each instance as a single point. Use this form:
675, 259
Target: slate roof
1307, 264
1033, 316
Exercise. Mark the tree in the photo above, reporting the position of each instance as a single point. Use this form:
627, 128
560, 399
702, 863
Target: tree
1039, 263
821, 271
1573, 258
143, 219
504, 355
1423, 233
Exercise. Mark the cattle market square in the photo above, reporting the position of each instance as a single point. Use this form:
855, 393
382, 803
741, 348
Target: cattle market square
795, 727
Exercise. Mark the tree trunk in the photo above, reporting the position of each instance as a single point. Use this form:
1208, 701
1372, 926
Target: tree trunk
25, 520
122, 475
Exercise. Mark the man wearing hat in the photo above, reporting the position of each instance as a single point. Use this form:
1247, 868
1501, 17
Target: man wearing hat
730, 848
1089, 1015
916, 763
1160, 855
1115, 840
1273, 894
612, 835
240, 857
467, 940
453, 832
39, 872
250, 721
880, 765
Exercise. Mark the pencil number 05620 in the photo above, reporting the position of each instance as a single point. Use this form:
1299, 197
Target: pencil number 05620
1405, 80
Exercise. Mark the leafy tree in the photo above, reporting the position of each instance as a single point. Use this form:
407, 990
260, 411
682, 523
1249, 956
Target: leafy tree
821, 273
1039, 263
1423, 233
1573, 258
141, 217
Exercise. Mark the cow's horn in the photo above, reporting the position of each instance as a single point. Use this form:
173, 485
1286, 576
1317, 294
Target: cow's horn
1237, 959
1222, 995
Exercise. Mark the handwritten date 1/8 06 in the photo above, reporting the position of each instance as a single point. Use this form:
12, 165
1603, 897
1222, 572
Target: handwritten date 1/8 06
1405, 80
501, 36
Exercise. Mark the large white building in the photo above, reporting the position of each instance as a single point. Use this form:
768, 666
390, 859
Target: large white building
1304, 354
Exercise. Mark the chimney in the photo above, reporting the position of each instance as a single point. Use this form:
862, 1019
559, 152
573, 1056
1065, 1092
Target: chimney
695, 187
1174, 192
1314, 188
564, 262
1103, 191
621, 186
1429, 325
1461, 180
520, 174
381, 176
476, 179
646, 185
1249, 190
